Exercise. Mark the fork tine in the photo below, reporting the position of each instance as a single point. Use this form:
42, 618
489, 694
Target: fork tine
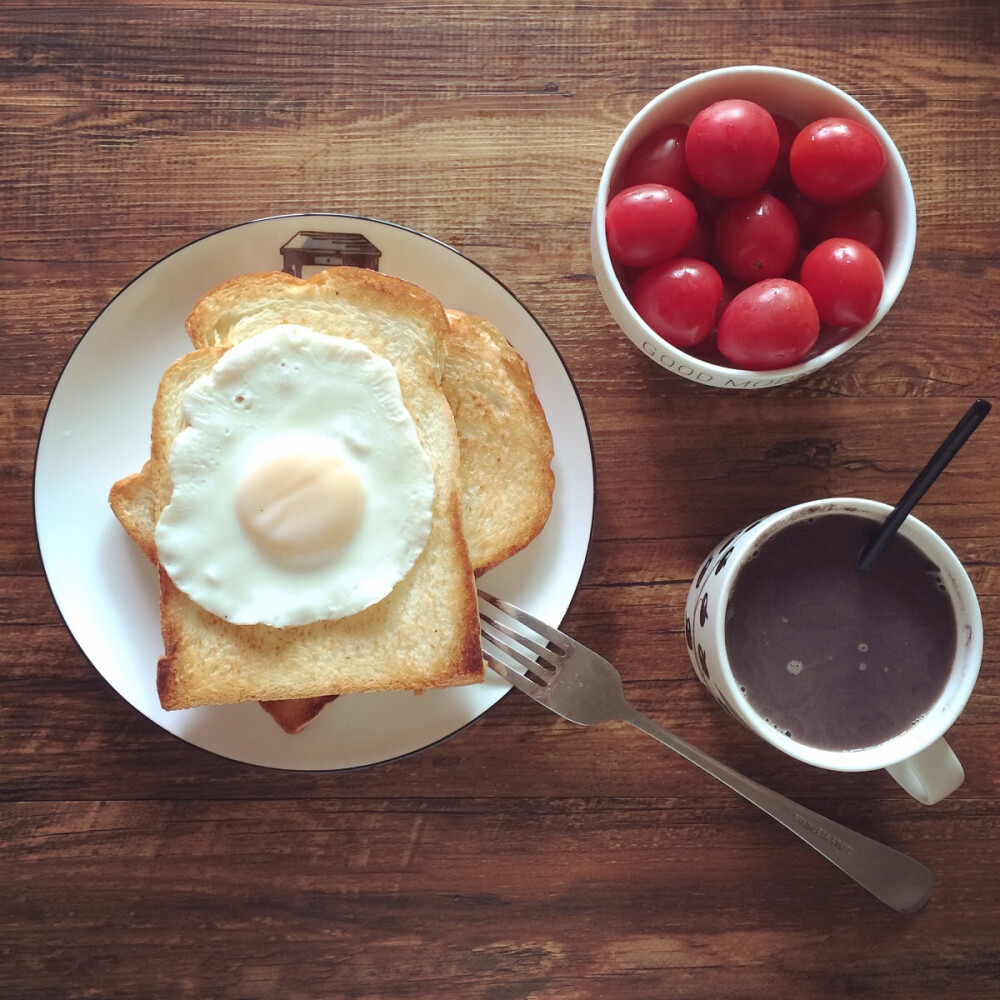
559, 639
496, 659
487, 621
498, 637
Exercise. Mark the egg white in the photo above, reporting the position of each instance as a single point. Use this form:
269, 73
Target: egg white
291, 390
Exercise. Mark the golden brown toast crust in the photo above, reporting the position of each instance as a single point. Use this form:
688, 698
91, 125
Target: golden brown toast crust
364, 297
504, 441
131, 502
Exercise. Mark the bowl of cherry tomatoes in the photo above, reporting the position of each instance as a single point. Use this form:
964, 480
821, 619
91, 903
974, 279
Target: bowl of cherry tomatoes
751, 225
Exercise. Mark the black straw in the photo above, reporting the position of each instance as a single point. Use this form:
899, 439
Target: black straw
949, 448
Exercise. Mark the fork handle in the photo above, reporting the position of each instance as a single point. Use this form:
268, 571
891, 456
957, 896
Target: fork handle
897, 880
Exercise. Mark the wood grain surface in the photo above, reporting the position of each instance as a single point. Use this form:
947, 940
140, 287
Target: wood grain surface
525, 857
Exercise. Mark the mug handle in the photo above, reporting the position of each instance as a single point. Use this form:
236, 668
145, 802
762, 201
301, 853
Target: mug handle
931, 775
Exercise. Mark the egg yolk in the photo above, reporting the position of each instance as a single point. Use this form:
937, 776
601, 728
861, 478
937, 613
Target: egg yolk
300, 509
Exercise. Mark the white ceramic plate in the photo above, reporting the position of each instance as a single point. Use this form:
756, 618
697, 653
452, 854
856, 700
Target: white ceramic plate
97, 429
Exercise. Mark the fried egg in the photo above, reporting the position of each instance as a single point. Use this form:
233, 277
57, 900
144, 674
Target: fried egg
301, 491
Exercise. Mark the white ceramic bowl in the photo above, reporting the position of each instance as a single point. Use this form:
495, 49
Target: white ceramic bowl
803, 99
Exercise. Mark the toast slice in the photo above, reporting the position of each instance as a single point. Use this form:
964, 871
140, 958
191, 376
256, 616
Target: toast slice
425, 633
505, 454
505, 445
131, 502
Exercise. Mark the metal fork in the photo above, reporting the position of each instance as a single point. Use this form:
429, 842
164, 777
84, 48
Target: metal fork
574, 682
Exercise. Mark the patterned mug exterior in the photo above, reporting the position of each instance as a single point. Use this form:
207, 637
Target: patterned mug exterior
919, 758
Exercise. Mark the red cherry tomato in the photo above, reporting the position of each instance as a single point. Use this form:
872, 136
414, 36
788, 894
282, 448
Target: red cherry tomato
659, 159
769, 325
757, 237
781, 174
860, 220
845, 280
678, 299
648, 223
731, 147
835, 159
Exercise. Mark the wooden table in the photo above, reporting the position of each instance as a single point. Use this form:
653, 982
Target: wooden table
524, 857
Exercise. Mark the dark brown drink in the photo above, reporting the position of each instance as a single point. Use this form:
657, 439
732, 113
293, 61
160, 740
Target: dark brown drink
833, 657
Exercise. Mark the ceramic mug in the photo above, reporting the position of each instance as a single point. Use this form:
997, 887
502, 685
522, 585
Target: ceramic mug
918, 757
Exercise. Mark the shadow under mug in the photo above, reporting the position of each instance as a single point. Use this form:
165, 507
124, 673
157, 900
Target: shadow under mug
918, 757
